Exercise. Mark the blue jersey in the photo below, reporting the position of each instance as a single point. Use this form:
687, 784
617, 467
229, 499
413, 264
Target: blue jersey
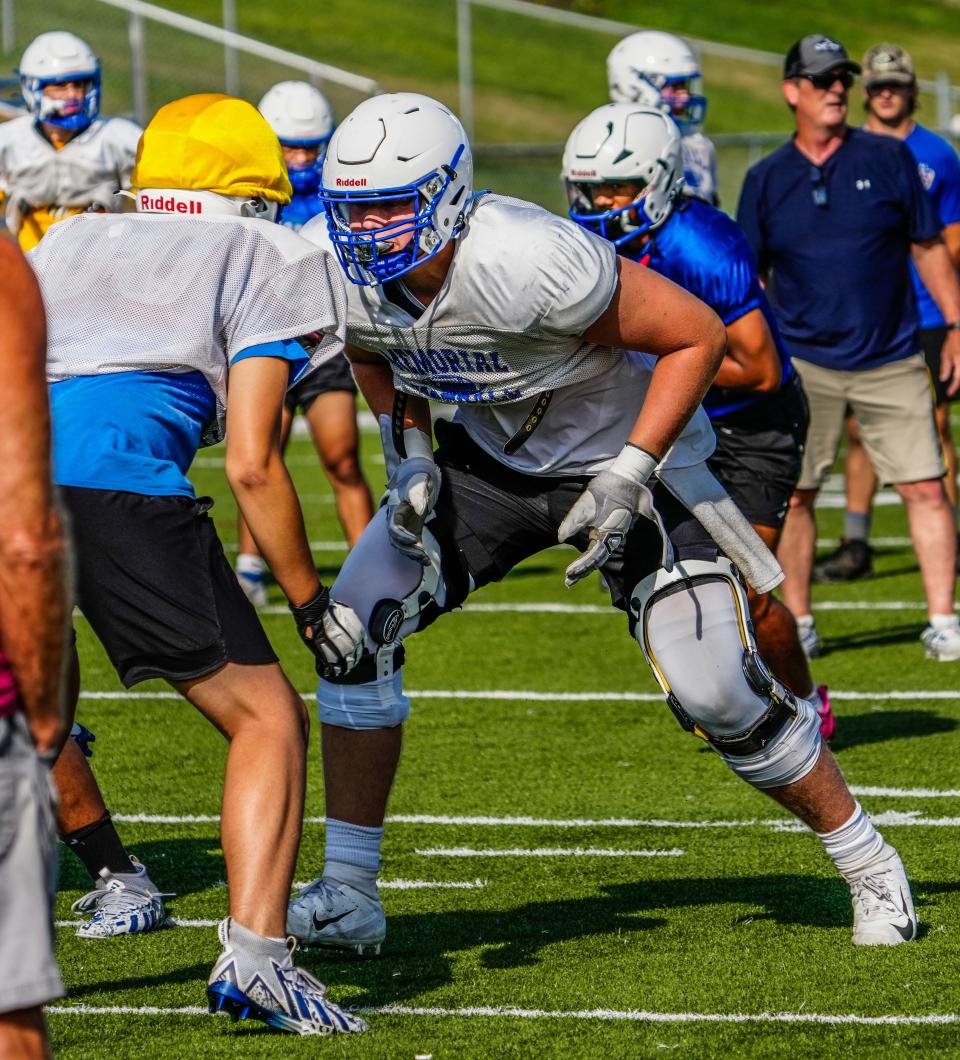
836, 239
700, 248
939, 170
301, 208
138, 432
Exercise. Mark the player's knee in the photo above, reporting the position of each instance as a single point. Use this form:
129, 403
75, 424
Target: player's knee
377, 703
693, 625
343, 470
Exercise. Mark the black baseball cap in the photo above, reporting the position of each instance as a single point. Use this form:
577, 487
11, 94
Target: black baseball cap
817, 54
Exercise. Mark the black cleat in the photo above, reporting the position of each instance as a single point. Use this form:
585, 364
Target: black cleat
852, 561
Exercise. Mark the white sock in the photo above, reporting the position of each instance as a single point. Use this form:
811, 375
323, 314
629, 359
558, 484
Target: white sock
813, 698
353, 854
855, 845
251, 565
940, 622
804, 621
252, 950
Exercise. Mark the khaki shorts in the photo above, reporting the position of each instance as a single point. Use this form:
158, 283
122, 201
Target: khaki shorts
893, 407
28, 872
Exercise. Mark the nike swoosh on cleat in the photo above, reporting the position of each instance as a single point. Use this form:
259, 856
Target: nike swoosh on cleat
321, 924
905, 931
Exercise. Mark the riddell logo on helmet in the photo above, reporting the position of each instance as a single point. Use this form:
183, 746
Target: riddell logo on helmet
583, 173
169, 204
351, 182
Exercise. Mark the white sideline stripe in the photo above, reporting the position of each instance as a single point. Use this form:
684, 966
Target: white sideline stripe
550, 608
526, 695
777, 824
546, 852
606, 1014
420, 885
907, 793
315, 546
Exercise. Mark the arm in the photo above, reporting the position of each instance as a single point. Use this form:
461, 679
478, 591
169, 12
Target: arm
939, 276
751, 361
33, 593
259, 478
649, 313
951, 236
374, 377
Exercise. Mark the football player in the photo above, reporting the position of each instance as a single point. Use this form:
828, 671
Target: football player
303, 122
660, 70
623, 171
150, 315
62, 157
526, 322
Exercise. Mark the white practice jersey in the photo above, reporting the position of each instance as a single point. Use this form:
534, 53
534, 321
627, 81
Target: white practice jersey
699, 167
157, 292
523, 287
88, 169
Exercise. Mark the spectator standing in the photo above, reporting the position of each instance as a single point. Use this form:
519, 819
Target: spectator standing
834, 217
890, 98
33, 617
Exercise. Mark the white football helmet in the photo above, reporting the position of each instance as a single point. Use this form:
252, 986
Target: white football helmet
623, 143
52, 59
301, 117
411, 154
658, 70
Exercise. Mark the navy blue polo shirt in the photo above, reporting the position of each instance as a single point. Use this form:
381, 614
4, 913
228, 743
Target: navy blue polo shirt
836, 239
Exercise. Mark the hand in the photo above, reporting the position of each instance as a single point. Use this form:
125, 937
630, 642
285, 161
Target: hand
608, 508
332, 631
411, 495
950, 362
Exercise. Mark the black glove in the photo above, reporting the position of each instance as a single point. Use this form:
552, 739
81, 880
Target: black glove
335, 635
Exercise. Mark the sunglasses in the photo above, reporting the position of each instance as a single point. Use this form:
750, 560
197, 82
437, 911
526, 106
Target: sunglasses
818, 188
878, 87
829, 79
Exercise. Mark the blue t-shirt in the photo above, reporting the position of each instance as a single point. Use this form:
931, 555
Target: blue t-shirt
939, 169
138, 432
836, 239
700, 248
301, 208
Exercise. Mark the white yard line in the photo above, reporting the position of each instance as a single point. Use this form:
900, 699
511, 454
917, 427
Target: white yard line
523, 695
546, 852
505, 1012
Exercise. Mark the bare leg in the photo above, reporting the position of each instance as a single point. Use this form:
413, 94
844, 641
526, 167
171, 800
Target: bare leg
776, 631
933, 528
358, 772
333, 423
23, 1035
861, 478
949, 450
260, 713
797, 547
822, 799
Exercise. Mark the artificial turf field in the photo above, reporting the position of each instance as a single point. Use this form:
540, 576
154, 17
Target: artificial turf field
566, 873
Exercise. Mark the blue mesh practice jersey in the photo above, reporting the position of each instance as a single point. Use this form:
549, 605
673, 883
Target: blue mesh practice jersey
700, 248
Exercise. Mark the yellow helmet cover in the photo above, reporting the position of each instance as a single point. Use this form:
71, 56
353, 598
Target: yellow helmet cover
212, 142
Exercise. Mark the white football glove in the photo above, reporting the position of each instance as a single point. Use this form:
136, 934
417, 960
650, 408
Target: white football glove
608, 508
332, 631
411, 495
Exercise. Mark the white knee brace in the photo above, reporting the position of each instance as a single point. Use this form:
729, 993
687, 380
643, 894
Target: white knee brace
693, 624
389, 594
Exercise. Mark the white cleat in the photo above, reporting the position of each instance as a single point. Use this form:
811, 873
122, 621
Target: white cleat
276, 992
124, 903
942, 644
329, 913
883, 913
809, 639
254, 588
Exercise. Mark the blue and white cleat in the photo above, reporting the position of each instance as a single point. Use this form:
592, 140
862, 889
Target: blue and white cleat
276, 992
124, 903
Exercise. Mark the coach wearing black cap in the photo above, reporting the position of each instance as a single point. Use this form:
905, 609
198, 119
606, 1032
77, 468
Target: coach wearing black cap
834, 217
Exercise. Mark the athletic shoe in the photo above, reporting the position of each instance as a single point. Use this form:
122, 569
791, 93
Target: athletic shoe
254, 588
809, 638
883, 913
124, 903
828, 723
329, 913
852, 561
276, 992
942, 644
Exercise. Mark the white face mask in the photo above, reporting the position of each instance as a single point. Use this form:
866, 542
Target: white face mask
203, 204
